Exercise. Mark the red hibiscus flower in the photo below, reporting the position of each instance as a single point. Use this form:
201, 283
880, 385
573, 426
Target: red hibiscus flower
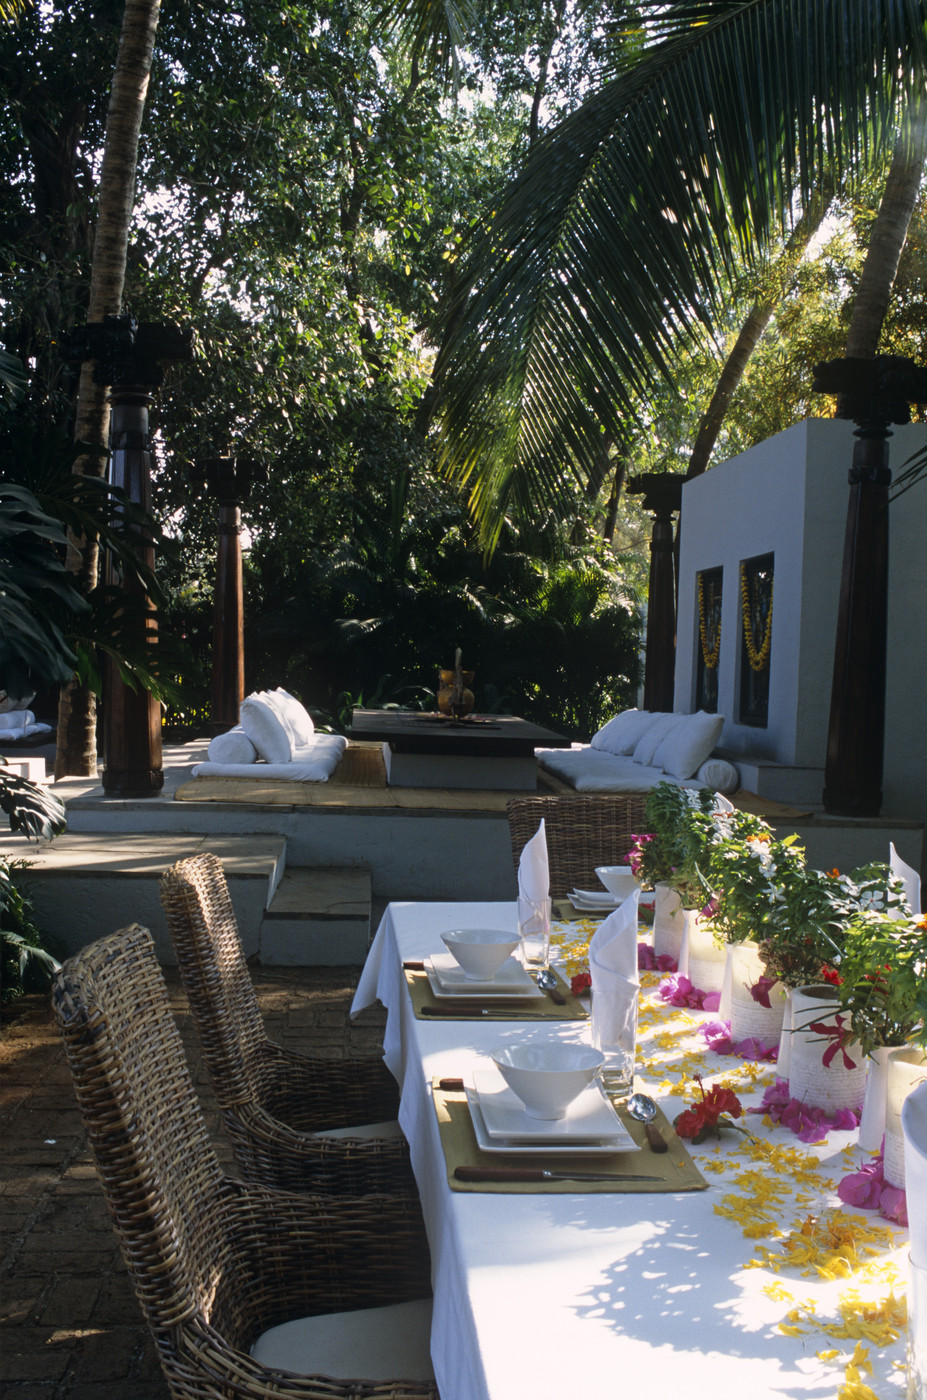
580, 983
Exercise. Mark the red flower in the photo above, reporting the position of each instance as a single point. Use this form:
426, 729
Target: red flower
703, 1118
580, 983
831, 975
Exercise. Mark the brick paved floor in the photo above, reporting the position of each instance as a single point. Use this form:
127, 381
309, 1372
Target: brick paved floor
71, 1329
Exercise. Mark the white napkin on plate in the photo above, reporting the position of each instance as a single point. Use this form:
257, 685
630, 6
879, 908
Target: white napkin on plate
533, 868
615, 979
911, 879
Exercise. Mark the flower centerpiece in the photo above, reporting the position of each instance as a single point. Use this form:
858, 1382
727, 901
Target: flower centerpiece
669, 857
883, 1000
803, 944
749, 869
883, 980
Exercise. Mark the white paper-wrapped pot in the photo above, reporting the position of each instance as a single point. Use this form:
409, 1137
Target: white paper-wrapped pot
669, 923
830, 1086
749, 1018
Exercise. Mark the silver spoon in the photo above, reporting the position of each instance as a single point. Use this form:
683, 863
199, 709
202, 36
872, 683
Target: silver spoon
547, 982
643, 1108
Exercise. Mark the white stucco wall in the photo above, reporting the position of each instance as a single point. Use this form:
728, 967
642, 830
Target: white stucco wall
788, 496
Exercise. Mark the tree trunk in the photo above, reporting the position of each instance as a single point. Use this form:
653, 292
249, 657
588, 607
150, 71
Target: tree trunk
752, 330
76, 753
888, 236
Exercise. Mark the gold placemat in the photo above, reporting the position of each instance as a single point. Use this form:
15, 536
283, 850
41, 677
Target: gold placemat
471, 1009
675, 1168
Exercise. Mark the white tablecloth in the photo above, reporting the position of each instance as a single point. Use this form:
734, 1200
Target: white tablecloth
540, 1297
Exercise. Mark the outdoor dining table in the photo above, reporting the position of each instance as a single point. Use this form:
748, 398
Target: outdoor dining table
548, 1294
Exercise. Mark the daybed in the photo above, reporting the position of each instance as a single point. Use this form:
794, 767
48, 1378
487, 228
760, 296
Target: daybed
640, 748
275, 739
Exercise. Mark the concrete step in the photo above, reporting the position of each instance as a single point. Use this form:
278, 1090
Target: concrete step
318, 917
85, 885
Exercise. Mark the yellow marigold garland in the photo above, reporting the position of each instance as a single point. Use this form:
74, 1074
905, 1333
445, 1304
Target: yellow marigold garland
710, 654
759, 659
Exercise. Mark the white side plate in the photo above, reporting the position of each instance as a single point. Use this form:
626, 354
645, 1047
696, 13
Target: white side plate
590, 1118
601, 1147
448, 979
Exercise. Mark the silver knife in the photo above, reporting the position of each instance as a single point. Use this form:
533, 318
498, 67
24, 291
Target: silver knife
466, 1173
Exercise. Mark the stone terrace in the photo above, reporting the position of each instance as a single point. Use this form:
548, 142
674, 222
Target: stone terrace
71, 1327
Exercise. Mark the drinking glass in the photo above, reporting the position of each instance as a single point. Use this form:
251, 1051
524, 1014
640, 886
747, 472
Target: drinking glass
534, 931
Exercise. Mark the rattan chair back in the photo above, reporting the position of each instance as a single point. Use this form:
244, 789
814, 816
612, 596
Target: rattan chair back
582, 832
277, 1105
204, 931
160, 1174
215, 1262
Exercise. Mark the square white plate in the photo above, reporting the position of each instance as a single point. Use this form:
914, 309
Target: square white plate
589, 899
448, 979
602, 1147
590, 1117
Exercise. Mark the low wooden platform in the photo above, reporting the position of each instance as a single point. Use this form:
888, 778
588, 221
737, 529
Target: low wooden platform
359, 781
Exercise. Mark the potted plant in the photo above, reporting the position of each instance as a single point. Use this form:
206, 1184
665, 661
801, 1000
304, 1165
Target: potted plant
749, 870
883, 996
803, 944
667, 858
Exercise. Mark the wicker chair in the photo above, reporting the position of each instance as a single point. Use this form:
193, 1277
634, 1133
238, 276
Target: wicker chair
582, 832
272, 1100
217, 1262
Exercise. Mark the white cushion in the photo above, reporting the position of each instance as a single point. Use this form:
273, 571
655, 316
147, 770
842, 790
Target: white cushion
622, 734
653, 738
369, 1344
719, 775
313, 764
687, 745
389, 1128
232, 747
593, 770
294, 715
266, 729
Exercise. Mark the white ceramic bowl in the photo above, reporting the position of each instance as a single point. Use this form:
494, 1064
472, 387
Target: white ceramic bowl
480, 951
547, 1076
618, 879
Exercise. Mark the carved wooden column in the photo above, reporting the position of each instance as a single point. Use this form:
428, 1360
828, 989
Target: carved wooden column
662, 494
229, 480
127, 358
872, 393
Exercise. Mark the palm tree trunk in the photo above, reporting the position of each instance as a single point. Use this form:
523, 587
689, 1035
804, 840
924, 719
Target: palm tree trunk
752, 329
888, 236
76, 754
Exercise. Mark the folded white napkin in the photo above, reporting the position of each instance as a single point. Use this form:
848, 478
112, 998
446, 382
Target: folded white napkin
533, 868
615, 979
911, 879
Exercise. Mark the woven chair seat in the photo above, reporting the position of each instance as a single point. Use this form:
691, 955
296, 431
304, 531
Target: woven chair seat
581, 832
273, 1101
217, 1263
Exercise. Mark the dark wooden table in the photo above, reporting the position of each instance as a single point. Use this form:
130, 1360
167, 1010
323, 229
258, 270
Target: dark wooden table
481, 751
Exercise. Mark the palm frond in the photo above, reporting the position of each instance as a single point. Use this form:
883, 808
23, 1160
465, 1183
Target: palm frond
632, 218
433, 31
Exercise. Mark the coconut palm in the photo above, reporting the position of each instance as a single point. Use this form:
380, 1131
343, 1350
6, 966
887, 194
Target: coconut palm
632, 218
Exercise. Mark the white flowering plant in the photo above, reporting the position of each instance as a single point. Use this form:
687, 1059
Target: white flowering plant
806, 927
680, 829
749, 872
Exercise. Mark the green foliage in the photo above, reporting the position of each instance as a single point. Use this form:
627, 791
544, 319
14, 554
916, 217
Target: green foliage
807, 926
747, 871
677, 852
883, 991
27, 956
674, 169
